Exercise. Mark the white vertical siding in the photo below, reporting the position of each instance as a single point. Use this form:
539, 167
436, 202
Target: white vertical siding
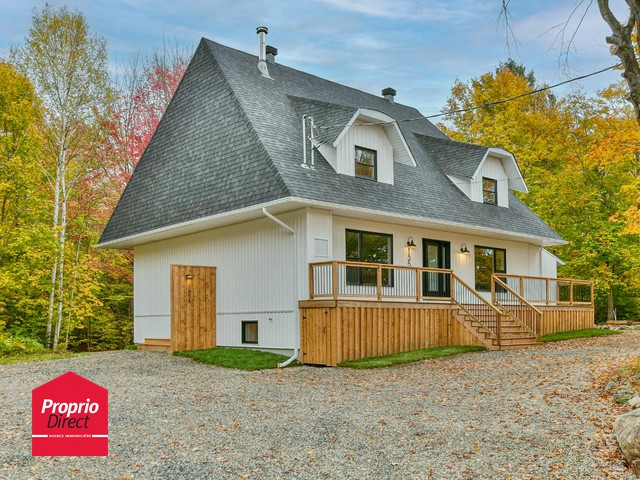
255, 279
491, 168
548, 264
371, 137
522, 258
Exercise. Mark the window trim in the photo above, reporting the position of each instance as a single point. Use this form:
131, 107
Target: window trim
493, 191
244, 332
356, 162
389, 280
475, 257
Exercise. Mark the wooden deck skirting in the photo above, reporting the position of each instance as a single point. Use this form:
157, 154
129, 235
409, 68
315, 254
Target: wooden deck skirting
337, 330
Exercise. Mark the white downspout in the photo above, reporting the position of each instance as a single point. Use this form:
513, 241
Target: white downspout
296, 348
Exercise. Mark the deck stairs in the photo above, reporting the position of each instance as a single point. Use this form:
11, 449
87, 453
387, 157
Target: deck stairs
483, 325
156, 345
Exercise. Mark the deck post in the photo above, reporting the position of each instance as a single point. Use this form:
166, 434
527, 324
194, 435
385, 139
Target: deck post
334, 282
418, 275
493, 289
592, 293
521, 292
379, 282
548, 291
571, 292
311, 287
452, 291
499, 333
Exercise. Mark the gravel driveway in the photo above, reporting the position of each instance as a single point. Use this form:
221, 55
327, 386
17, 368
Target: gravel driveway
490, 415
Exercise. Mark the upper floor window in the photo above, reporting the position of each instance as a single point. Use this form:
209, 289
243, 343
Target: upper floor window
489, 190
366, 163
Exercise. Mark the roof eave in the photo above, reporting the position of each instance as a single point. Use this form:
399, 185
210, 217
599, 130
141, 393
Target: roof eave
291, 203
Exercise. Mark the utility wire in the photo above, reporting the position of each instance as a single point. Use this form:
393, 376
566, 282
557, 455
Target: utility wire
484, 105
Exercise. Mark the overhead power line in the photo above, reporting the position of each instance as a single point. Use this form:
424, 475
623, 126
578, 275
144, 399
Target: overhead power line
484, 105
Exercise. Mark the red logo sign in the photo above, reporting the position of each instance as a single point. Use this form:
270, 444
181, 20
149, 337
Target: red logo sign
70, 417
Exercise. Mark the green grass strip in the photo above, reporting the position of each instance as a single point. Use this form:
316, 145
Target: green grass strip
571, 334
408, 357
238, 358
38, 357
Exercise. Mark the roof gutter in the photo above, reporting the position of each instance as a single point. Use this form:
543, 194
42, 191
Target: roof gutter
294, 237
200, 224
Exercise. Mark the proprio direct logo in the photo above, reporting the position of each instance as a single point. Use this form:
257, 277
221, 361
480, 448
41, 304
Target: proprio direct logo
70, 417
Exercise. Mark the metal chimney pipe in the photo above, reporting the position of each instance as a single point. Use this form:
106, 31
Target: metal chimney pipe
262, 55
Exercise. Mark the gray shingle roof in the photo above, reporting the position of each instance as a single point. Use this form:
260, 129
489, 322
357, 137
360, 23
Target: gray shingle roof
232, 138
453, 158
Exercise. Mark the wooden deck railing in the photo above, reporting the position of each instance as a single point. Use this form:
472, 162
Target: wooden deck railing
550, 291
477, 307
380, 281
514, 305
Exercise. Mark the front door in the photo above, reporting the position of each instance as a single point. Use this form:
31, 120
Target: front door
436, 254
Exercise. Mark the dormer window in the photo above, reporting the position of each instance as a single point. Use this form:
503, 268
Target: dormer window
489, 190
366, 163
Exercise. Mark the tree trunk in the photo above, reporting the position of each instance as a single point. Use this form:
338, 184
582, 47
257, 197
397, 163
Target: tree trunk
624, 47
73, 293
63, 237
610, 304
54, 270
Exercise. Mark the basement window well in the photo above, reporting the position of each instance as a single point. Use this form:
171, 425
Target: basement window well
250, 332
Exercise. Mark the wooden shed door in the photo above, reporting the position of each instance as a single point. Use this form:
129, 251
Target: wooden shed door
314, 336
193, 307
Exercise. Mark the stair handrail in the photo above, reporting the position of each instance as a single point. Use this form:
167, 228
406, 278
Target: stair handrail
496, 281
498, 314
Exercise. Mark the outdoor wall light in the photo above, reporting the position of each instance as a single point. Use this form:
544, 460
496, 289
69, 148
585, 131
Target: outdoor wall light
410, 246
464, 250
188, 276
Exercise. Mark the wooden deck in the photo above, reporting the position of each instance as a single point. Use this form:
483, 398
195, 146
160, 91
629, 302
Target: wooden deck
394, 309
337, 330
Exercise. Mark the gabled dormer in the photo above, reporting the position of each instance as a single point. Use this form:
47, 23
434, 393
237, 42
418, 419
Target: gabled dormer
356, 142
484, 174
367, 147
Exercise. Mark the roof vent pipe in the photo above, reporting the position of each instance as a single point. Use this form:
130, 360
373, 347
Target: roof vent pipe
262, 56
271, 54
389, 94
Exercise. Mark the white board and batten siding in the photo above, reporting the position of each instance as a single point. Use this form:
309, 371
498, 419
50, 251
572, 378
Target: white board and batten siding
492, 168
255, 280
522, 258
342, 156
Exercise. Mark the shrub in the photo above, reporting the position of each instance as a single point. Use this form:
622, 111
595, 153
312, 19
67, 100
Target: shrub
17, 345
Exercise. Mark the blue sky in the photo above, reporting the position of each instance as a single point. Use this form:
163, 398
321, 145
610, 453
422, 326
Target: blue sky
418, 47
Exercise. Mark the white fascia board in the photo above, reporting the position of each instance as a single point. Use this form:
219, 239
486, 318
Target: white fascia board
375, 117
514, 176
292, 203
198, 225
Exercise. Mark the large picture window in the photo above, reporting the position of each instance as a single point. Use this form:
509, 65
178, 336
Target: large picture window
366, 163
489, 190
489, 260
368, 247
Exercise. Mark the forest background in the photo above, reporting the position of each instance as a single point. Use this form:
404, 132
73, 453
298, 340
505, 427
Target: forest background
71, 135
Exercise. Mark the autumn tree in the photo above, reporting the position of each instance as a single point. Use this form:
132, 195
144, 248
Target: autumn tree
68, 67
25, 240
579, 158
145, 87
